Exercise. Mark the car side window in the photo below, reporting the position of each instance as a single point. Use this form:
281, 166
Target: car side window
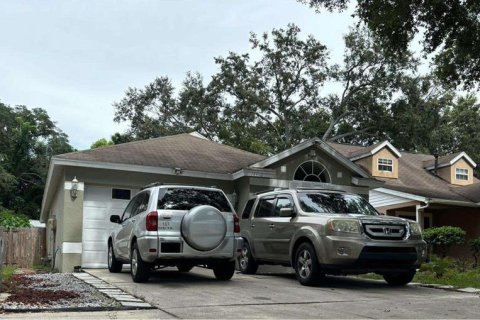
265, 208
142, 203
248, 209
128, 211
133, 206
283, 201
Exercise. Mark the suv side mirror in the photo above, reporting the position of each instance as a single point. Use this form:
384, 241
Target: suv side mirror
286, 212
115, 218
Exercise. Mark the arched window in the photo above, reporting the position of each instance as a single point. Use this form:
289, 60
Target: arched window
312, 171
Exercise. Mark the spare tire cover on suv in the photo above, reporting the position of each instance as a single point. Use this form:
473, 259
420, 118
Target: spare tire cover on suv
204, 228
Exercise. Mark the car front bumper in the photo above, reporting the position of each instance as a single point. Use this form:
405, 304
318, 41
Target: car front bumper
354, 255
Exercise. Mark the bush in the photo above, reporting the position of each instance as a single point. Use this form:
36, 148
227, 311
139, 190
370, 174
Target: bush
475, 250
10, 220
443, 238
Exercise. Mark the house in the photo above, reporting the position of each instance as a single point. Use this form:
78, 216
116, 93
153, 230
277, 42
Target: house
84, 188
434, 191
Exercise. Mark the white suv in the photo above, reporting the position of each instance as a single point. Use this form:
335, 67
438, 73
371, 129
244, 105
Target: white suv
182, 226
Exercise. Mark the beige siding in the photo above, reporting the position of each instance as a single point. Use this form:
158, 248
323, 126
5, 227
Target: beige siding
371, 164
449, 173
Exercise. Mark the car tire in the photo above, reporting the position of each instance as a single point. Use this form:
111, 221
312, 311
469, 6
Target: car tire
224, 270
140, 270
399, 279
307, 268
246, 262
114, 265
185, 267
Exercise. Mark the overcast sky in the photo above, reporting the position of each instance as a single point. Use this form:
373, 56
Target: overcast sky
75, 58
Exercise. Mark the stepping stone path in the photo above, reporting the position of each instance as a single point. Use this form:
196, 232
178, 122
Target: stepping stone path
125, 299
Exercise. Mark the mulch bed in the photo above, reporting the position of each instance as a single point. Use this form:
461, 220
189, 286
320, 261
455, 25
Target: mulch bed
52, 291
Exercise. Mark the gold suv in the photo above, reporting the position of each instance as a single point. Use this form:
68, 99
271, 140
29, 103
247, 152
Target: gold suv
320, 232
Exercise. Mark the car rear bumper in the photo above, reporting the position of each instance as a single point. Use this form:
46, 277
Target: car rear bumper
155, 249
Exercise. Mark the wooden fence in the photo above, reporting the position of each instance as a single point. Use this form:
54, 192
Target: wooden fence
23, 247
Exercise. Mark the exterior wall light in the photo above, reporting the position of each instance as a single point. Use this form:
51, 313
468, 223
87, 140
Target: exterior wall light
178, 170
74, 188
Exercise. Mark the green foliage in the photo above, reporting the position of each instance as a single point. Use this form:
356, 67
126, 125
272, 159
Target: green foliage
275, 101
444, 237
474, 245
450, 31
101, 143
438, 266
28, 139
10, 220
7, 272
452, 277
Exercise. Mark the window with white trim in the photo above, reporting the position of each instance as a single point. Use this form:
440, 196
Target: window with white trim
385, 164
461, 174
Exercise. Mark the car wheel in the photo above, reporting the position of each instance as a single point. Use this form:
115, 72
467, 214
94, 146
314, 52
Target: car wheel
114, 265
184, 267
399, 279
246, 261
140, 269
306, 265
224, 270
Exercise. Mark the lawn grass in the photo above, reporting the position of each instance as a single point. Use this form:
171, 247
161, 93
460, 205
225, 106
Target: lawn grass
451, 277
7, 272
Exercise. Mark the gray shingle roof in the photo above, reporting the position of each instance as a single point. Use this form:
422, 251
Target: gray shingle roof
183, 150
413, 177
443, 160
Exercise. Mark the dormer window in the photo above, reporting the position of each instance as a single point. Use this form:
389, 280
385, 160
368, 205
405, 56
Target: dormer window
461, 174
385, 164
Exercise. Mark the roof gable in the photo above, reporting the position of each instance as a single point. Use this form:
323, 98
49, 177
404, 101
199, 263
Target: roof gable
306, 144
449, 160
373, 149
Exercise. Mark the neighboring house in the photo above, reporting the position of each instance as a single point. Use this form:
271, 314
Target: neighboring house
84, 188
434, 191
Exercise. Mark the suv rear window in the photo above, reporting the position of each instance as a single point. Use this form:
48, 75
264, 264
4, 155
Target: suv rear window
335, 203
186, 199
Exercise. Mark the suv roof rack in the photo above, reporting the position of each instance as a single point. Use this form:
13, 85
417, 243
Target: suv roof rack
157, 184
320, 189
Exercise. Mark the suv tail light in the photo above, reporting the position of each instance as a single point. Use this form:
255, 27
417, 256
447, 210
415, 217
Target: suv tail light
236, 223
152, 221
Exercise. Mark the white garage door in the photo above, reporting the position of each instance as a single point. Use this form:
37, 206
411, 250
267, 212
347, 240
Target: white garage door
98, 206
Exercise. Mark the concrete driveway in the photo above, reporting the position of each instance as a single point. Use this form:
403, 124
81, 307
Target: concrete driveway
275, 293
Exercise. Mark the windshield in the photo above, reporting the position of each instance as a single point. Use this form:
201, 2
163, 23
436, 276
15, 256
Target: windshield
316, 202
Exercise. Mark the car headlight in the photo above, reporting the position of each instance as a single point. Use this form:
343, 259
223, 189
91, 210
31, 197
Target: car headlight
350, 226
415, 229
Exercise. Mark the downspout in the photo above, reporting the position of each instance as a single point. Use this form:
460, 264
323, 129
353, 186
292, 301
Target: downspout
417, 211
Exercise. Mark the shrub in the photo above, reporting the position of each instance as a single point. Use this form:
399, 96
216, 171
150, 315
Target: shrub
474, 245
443, 238
10, 220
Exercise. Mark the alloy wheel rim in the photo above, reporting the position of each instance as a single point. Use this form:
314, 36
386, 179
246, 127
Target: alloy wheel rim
134, 262
304, 264
244, 258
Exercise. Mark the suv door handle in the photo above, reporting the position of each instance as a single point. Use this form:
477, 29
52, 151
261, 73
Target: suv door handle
272, 226
252, 226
